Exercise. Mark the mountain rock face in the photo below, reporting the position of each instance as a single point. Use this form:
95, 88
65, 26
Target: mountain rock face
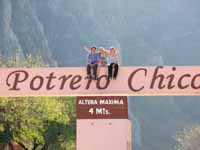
9, 40
21, 29
149, 33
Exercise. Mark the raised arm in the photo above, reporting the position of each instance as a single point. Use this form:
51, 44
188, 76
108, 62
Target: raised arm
107, 52
85, 48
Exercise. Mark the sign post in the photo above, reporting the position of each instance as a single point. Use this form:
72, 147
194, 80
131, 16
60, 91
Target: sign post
102, 123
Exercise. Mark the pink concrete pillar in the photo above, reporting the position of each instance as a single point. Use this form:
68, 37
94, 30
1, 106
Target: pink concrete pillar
104, 134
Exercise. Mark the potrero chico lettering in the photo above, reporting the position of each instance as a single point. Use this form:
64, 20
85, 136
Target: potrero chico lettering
159, 80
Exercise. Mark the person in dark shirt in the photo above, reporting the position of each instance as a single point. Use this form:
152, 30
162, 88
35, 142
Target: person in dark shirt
92, 65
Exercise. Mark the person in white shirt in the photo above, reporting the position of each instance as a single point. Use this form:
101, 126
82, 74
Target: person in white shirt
113, 63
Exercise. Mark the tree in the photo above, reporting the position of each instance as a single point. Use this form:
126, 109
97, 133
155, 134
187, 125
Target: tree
36, 123
189, 139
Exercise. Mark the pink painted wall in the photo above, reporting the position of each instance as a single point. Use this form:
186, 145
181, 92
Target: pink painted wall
103, 134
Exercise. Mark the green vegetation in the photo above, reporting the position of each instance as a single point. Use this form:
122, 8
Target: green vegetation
189, 139
36, 123
16, 61
40, 123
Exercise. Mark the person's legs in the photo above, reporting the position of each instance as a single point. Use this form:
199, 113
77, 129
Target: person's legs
110, 70
116, 68
89, 71
95, 70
